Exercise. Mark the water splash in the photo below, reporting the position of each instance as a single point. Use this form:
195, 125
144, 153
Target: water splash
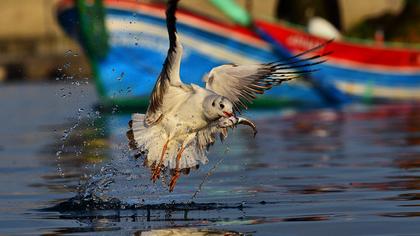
210, 172
121, 76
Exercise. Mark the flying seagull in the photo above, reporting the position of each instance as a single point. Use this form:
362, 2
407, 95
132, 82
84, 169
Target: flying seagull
183, 120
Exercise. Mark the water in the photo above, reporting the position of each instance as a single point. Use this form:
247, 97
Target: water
65, 169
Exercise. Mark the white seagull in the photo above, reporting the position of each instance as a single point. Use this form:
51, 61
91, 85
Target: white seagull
183, 121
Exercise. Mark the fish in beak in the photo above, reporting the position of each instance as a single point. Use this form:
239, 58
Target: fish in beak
245, 121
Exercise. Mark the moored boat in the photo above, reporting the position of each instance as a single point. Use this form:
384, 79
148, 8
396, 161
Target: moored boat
126, 68
127, 54
357, 70
361, 69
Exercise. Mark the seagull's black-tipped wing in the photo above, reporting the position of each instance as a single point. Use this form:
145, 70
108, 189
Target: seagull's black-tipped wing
169, 76
241, 83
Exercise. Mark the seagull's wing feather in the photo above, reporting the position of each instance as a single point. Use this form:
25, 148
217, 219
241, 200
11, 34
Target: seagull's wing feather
169, 76
207, 136
241, 83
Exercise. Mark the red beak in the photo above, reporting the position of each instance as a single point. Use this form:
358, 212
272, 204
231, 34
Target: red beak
228, 114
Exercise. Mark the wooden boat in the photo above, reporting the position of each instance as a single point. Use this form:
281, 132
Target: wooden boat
360, 69
127, 55
128, 47
357, 69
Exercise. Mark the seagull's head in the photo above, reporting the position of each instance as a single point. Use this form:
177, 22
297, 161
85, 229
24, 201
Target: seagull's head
216, 106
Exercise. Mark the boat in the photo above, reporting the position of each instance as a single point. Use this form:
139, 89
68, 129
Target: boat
128, 48
359, 70
362, 70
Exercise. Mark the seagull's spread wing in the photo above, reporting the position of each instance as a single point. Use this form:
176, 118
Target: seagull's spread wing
169, 76
241, 83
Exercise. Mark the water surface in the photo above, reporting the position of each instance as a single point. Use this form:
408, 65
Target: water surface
66, 169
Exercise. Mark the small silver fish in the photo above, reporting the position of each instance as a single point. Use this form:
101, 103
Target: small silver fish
245, 121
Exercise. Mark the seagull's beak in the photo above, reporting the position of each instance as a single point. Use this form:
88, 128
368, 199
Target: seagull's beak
228, 114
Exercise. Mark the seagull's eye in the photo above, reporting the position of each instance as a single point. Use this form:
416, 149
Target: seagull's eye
222, 106
213, 104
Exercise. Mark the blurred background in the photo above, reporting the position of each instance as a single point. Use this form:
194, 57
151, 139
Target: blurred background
33, 46
338, 150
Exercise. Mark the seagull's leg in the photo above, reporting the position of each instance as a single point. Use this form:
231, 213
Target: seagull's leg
157, 169
177, 172
175, 176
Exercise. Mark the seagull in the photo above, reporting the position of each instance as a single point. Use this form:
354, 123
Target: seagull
183, 120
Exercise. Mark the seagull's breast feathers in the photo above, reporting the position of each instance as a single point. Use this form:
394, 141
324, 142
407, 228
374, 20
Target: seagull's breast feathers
187, 108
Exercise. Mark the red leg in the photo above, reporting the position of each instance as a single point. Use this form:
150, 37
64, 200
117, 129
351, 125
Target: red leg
176, 175
157, 169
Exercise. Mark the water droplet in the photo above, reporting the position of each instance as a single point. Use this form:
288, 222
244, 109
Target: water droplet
121, 76
114, 110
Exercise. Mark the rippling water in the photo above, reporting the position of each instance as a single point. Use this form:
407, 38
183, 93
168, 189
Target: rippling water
65, 168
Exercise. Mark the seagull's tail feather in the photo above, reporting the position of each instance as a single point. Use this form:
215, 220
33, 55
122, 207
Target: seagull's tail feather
149, 142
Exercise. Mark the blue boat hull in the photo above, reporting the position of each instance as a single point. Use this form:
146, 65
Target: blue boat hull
138, 44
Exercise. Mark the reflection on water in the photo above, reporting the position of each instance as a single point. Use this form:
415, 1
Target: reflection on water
313, 172
323, 165
185, 231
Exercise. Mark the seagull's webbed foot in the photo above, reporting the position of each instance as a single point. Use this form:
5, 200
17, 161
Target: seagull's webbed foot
176, 174
174, 178
156, 173
158, 166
